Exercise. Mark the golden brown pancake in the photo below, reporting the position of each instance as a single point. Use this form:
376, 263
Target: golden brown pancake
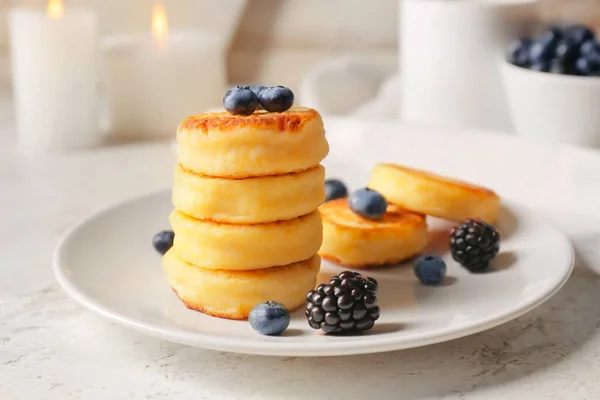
430, 194
232, 294
214, 245
261, 144
352, 240
250, 200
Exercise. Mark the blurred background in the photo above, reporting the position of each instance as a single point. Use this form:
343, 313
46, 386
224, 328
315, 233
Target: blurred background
279, 40
342, 57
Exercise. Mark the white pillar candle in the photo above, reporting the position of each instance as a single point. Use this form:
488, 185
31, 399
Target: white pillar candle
54, 67
154, 81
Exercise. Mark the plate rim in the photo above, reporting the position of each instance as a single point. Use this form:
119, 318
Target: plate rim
271, 348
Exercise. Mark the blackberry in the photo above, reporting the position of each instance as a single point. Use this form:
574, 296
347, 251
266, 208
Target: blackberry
474, 244
348, 303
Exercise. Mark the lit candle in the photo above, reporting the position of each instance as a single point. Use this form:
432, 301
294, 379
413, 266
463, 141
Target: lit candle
54, 68
155, 80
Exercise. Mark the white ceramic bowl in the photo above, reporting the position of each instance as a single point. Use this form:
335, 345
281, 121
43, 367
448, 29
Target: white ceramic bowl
560, 108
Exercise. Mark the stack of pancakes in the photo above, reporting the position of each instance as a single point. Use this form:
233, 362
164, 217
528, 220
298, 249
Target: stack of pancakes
246, 221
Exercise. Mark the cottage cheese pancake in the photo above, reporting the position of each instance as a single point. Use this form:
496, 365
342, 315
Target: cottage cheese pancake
232, 294
250, 200
430, 194
214, 245
352, 240
261, 144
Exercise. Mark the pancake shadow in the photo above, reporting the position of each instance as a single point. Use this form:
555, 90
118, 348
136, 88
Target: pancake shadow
401, 292
379, 271
325, 277
507, 222
439, 240
501, 262
387, 269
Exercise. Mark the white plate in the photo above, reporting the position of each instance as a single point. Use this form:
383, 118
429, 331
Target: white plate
107, 263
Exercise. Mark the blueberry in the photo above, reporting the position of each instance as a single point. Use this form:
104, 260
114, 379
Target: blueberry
594, 58
566, 52
557, 67
518, 52
544, 47
368, 203
163, 241
276, 99
552, 35
588, 47
541, 51
335, 189
269, 318
541, 66
257, 89
579, 33
430, 270
591, 50
587, 67
240, 100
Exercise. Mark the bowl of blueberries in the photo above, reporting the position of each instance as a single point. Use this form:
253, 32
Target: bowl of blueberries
552, 83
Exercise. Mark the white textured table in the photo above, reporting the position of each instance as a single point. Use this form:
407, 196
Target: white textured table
52, 348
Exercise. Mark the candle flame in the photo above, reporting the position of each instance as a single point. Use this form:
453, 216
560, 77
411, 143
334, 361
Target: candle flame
160, 24
56, 9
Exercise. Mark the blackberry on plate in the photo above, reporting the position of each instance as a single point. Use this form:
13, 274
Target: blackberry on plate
347, 304
474, 244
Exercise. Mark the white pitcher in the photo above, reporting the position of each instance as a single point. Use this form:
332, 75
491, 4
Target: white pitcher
450, 52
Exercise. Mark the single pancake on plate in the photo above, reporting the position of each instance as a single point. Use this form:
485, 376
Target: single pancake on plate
215, 245
232, 294
249, 200
261, 144
354, 241
431, 194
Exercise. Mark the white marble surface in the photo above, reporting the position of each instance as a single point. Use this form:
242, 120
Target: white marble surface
52, 348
